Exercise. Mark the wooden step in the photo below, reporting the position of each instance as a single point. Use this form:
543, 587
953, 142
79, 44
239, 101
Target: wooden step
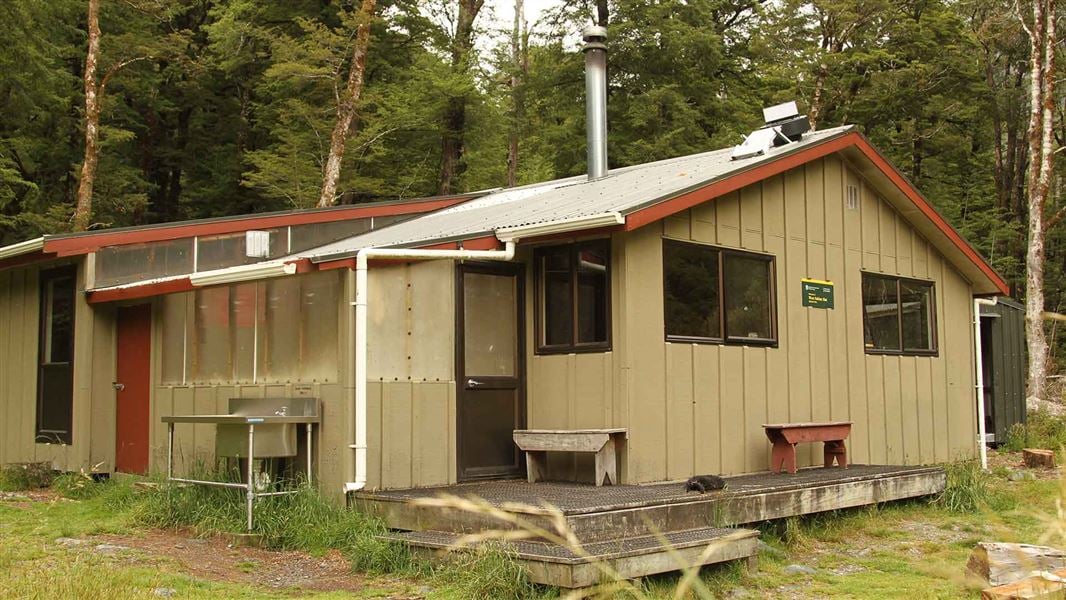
596, 514
551, 564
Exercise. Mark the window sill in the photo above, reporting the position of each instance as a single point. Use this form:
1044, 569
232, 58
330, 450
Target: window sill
599, 348
756, 343
924, 353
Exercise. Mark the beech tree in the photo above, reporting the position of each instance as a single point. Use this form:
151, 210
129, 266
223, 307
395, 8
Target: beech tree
94, 92
454, 130
1043, 39
347, 101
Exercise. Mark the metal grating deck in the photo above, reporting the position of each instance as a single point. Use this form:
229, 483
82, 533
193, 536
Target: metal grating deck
578, 498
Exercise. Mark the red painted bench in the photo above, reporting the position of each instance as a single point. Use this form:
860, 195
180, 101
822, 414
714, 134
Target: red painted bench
785, 436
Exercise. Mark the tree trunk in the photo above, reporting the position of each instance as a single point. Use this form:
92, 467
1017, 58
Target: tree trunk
346, 107
452, 148
84, 207
518, 66
1041, 161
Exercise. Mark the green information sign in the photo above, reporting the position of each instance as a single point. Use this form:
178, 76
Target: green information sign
817, 293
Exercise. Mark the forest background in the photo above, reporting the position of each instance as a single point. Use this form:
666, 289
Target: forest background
221, 107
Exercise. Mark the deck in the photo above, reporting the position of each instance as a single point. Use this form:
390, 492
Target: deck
616, 520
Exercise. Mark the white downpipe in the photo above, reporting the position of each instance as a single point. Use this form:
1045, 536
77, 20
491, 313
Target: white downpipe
979, 388
359, 444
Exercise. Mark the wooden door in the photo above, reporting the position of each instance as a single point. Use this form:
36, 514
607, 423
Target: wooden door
490, 370
133, 388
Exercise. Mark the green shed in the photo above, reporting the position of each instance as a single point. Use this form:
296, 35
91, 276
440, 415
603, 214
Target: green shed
1003, 358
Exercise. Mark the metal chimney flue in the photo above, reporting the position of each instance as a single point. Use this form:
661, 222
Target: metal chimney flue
596, 99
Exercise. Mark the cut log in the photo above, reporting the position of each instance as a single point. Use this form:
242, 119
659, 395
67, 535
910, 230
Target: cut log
1036, 458
1045, 586
1001, 563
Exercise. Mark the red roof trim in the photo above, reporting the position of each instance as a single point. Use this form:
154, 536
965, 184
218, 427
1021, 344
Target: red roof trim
786, 162
25, 259
148, 290
83, 244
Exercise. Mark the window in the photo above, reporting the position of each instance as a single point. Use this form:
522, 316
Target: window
271, 331
55, 372
898, 315
573, 297
717, 295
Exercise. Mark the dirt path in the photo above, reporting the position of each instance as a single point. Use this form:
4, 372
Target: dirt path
216, 560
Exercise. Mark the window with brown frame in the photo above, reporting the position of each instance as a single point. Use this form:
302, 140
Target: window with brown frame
718, 295
574, 297
899, 315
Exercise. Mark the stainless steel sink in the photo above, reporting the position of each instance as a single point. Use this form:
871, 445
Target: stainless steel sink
275, 419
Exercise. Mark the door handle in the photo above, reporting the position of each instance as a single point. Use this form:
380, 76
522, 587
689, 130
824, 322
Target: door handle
472, 383
118, 386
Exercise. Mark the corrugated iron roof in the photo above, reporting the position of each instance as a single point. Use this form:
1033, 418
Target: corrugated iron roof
624, 191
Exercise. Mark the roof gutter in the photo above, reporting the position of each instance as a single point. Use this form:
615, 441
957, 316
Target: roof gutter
513, 234
242, 273
34, 245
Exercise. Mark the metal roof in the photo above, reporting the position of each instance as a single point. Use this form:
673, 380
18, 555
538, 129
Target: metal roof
623, 191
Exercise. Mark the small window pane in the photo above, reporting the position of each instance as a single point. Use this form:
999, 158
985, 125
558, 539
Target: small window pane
59, 320
592, 291
880, 301
212, 336
748, 313
173, 309
557, 310
916, 303
691, 290
279, 336
244, 309
319, 298
490, 318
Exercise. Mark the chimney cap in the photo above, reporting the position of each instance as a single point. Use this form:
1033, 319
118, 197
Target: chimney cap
594, 36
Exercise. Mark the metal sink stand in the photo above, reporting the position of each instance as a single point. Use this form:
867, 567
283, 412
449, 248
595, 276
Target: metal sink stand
249, 486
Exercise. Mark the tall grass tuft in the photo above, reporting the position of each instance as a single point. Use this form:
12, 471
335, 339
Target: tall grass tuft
967, 488
485, 571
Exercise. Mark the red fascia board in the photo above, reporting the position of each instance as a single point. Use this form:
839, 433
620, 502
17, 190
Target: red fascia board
83, 244
172, 286
26, 259
787, 162
931, 213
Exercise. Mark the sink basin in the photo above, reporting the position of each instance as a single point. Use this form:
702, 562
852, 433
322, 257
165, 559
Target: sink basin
275, 420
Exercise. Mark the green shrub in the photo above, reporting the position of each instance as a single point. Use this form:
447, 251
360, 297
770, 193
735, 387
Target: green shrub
967, 487
1042, 430
77, 486
26, 476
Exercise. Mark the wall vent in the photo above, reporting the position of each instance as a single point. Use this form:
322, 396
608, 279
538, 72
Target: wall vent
853, 197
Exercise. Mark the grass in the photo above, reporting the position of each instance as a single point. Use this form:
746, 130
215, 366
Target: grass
914, 549
22, 477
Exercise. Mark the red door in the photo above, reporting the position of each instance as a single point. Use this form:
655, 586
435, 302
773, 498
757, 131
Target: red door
132, 388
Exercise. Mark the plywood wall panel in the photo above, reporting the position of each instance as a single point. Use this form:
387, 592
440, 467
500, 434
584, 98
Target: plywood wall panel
707, 425
680, 409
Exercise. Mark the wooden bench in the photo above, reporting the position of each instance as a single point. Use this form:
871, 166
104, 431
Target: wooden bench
537, 443
785, 436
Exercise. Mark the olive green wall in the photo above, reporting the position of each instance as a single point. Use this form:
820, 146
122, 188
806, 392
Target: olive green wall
92, 431
698, 408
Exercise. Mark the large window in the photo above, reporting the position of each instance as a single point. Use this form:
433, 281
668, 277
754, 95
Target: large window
717, 295
898, 315
573, 297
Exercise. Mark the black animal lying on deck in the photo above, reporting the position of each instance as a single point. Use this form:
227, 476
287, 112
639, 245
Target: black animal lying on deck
705, 483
